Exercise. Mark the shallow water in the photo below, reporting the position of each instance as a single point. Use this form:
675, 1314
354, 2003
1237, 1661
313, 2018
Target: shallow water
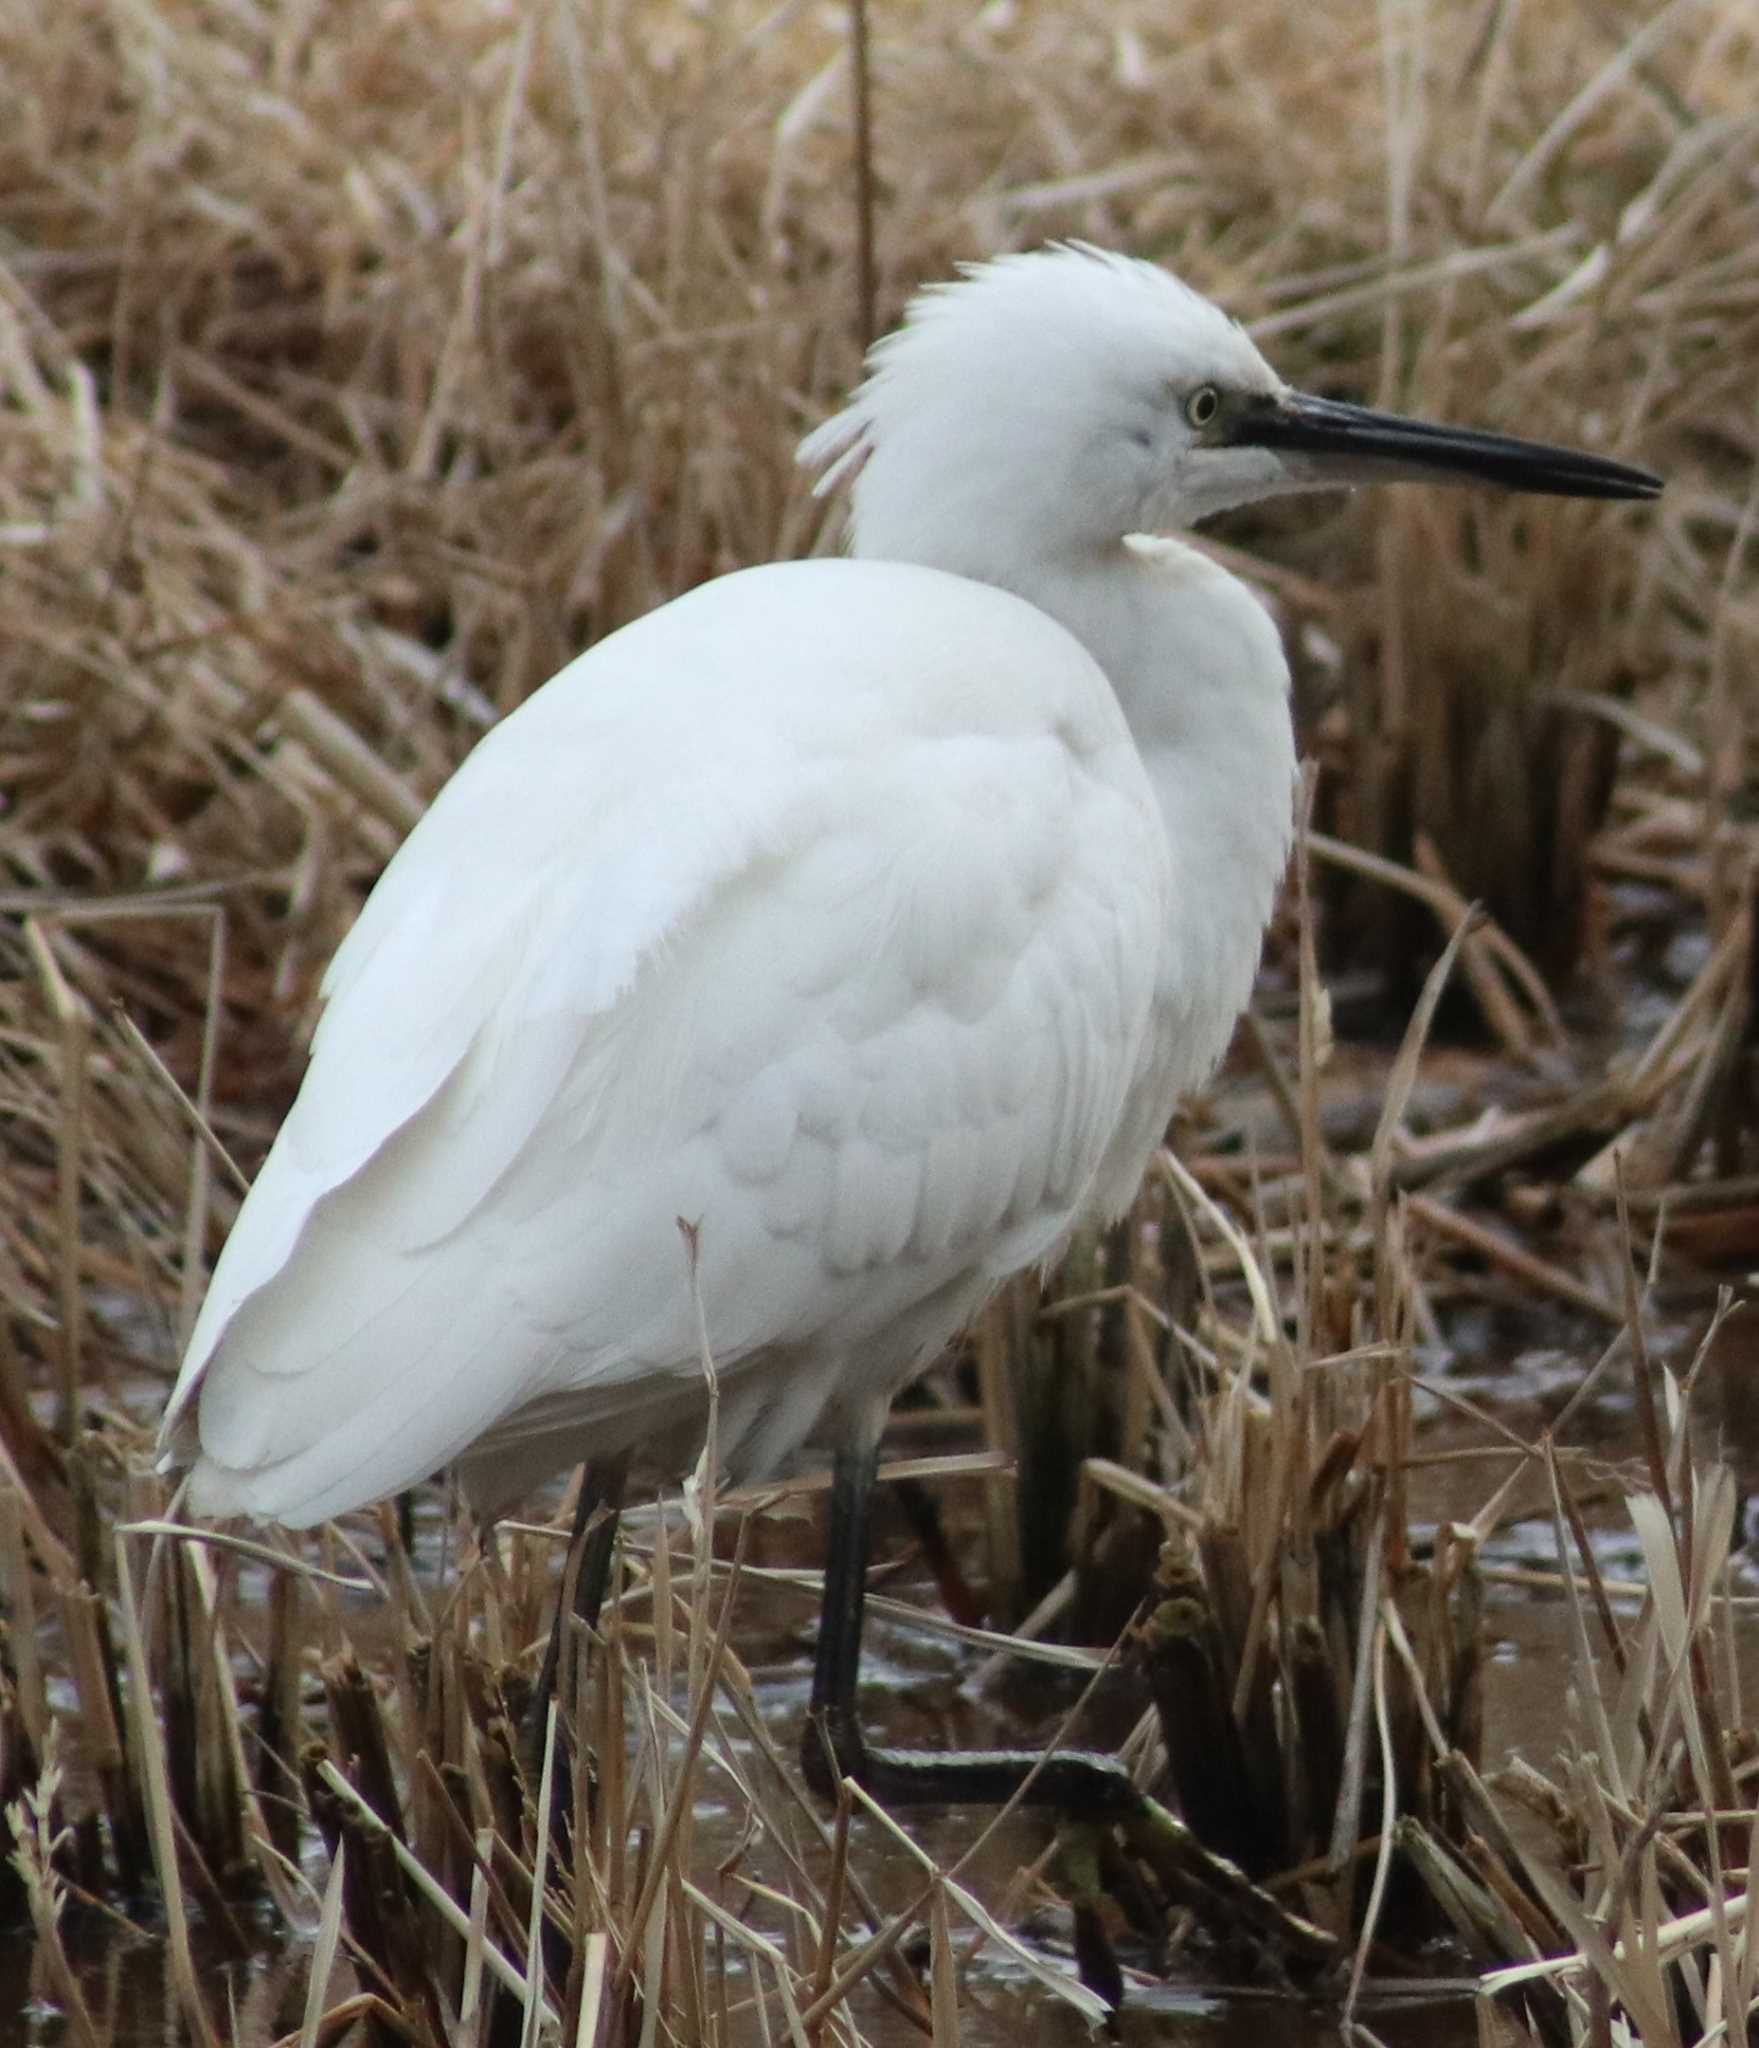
920, 1689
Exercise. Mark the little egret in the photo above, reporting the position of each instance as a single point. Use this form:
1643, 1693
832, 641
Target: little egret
867, 916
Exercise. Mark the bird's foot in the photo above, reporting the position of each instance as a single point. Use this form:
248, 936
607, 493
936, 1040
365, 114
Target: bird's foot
1076, 1785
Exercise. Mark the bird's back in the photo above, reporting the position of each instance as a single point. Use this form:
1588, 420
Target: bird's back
819, 911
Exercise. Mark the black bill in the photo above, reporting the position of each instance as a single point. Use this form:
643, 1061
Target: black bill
1353, 444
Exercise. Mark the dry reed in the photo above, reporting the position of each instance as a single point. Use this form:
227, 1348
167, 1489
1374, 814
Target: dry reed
359, 366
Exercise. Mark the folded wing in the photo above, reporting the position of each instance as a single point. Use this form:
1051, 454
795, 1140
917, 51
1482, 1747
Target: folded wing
817, 910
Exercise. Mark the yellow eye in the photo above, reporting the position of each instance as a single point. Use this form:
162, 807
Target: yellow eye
1203, 405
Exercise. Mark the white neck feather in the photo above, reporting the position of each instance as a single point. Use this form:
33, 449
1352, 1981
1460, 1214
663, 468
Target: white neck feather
1199, 670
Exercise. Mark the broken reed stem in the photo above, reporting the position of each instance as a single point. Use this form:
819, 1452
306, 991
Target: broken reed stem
18, 1596
323, 1959
861, 106
73, 1036
83, 1621
150, 1762
348, 1800
528, 2037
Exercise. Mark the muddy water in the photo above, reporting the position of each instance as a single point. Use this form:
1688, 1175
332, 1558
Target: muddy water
127, 1984
917, 1690
914, 1694
920, 1689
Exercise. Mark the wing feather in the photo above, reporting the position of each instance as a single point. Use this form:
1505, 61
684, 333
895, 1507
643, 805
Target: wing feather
792, 935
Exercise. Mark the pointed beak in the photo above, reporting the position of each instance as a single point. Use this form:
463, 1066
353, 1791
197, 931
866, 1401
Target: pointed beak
1323, 441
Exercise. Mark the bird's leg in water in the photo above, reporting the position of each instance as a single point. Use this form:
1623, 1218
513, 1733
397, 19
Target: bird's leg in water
1078, 1785
585, 1575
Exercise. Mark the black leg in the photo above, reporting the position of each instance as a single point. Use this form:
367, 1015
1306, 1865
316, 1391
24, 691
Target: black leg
590, 1549
1078, 1785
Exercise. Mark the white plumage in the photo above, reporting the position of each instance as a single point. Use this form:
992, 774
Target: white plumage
843, 978
868, 915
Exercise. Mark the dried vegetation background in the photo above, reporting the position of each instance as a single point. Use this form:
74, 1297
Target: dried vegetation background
361, 363
364, 363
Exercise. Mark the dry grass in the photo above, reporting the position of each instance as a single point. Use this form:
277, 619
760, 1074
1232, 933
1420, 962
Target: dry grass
450, 1914
1639, 1853
361, 371
360, 364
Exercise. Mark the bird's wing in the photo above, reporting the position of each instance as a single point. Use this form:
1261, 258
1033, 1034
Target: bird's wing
589, 807
793, 912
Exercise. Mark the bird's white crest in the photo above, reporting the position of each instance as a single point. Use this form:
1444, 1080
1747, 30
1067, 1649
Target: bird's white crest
1032, 411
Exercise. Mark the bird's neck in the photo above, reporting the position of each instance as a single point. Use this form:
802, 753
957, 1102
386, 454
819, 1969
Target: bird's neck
1199, 671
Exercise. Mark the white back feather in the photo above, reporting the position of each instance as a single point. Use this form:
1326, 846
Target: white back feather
918, 1083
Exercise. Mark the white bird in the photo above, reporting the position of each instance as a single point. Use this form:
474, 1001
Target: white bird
870, 916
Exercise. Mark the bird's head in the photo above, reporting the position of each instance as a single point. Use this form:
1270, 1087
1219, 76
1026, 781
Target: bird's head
1043, 406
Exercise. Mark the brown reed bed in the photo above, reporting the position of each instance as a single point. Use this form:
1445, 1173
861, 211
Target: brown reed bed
360, 365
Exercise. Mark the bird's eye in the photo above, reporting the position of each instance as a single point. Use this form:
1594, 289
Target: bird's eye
1203, 405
